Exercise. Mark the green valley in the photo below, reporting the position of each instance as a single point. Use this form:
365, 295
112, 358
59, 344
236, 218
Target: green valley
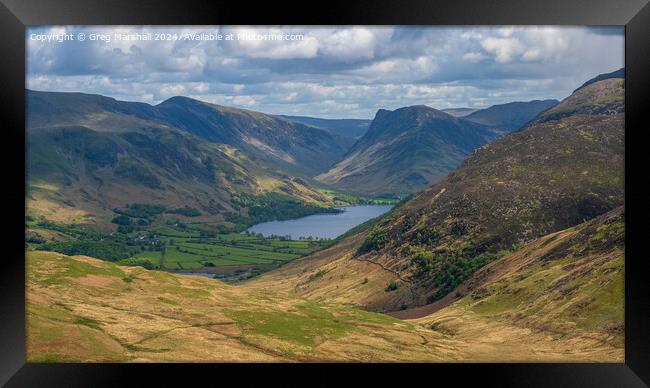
504, 240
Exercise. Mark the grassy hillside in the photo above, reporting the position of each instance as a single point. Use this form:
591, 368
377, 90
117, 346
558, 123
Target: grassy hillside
81, 309
89, 154
565, 281
290, 145
559, 171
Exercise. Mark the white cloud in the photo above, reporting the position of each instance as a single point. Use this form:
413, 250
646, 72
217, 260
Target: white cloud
334, 72
473, 56
246, 44
348, 43
172, 90
201, 87
504, 49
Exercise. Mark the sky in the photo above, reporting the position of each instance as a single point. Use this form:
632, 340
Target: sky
330, 72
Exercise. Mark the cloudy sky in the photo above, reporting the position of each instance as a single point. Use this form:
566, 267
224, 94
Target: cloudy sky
337, 72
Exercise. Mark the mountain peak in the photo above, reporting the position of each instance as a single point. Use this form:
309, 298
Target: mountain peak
422, 113
620, 73
602, 97
175, 100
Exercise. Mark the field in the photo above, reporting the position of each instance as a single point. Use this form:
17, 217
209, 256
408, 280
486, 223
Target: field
175, 246
187, 250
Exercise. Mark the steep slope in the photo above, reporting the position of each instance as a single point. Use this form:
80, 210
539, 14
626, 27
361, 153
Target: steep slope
88, 154
566, 168
405, 150
566, 281
293, 146
511, 116
80, 309
347, 128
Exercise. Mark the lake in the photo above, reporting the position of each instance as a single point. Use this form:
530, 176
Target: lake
321, 225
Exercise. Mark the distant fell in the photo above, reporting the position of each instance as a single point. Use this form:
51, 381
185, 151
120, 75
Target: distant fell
347, 128
511, 116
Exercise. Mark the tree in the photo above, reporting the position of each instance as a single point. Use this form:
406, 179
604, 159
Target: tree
392, 286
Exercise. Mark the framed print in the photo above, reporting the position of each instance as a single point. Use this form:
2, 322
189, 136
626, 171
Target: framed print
394, 191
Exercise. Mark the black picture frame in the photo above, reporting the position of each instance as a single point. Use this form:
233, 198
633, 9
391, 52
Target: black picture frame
15, 15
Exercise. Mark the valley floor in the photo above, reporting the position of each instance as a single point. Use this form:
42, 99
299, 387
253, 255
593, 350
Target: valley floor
80, 309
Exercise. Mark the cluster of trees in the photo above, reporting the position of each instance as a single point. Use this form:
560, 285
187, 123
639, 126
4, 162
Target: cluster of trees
392, 286
138, 261
375, 240
272, 207
185, 211
92, 243
75, 231
105, 250
34, 238
136, 216
387, 199
312, 238
450, 268
141, 210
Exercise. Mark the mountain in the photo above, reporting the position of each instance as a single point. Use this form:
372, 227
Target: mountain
459, 112
560, 170
88, 154
620, 73
511, 116
346, 128
405, 150
291, 145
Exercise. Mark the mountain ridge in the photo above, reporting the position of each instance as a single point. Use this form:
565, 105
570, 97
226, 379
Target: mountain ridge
511, 116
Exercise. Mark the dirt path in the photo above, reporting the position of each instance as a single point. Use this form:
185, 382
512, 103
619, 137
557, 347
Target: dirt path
385, 269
